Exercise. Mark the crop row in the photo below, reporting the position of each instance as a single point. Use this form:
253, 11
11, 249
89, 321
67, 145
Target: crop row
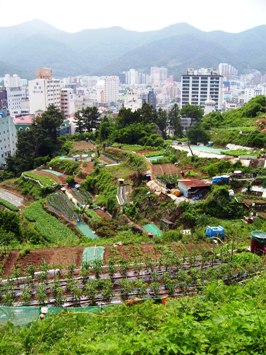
61, 204
48, 226
82, 196
94, 285
104, 288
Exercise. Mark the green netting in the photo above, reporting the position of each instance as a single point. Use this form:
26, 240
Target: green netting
19, 315
85, 229
52, 172
24, 315
92, 253
152, 228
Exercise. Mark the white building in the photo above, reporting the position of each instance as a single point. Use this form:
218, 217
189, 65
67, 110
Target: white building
227, 70
67, 102
14, 93
107, 90
197, 86
8, 137
253, 92
43, 93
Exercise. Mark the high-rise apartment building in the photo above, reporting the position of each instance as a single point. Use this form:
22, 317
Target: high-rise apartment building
158, 75
8, 137
14, 93
67, 102
107, 90
198, 86
227, 70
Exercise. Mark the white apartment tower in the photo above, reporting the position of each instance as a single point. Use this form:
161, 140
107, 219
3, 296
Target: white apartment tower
67, 102
8, 137
199, 86
43, 93
14, 93
107, 90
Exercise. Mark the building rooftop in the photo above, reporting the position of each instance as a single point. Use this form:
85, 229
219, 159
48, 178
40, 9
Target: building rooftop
28, 119
194, 183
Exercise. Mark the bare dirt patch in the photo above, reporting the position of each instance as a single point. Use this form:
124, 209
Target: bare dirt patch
161, 169
10, 262
103, 214
83, 145
52, 256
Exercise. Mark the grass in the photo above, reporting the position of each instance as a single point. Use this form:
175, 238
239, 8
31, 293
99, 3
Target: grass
43, 180
238, 152
8, 205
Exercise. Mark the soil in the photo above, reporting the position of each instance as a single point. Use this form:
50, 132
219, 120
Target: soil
83, 145
148, 249
53, 256
160, 169
103, 214
10, 262
88, 168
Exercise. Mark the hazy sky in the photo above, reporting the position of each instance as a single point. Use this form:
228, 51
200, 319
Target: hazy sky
138, 15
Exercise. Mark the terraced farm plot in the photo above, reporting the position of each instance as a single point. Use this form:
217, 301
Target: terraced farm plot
83, 145
161, 169
59, 203
52, 256
48, 226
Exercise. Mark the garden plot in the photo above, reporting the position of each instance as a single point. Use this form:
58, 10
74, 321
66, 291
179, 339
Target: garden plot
83, 145
118, 281
164, 169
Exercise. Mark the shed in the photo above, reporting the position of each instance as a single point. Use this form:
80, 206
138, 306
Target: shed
193, 188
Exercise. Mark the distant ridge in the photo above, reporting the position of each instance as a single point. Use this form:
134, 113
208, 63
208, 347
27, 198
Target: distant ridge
113, 50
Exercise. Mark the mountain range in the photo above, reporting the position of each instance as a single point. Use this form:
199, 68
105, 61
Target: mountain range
110, 51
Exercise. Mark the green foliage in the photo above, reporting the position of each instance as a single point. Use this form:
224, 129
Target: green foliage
44, 181
219, 204
101, 182
48, 226
197, 134
87, 119
148, 328
8, 205
69, 166
192, 111
10, 228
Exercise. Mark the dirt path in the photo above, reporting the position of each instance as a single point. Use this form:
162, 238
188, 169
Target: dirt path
10, 262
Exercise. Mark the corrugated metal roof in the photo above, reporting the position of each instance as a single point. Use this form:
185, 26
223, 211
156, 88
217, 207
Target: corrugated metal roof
194, 183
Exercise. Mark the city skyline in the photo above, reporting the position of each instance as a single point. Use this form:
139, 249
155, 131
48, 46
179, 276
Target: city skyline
230, 16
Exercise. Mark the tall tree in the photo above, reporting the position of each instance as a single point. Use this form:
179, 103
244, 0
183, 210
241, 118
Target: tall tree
79, 122
161, 121
174, 121
193, 111
90, 117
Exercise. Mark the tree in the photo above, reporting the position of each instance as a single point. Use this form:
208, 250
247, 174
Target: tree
79, 121
161, 121
197, 134
41, 140
49, 122
193, 111
174, 121
87, 119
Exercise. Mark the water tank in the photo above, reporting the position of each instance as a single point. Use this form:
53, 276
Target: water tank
212, 232
258, 242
